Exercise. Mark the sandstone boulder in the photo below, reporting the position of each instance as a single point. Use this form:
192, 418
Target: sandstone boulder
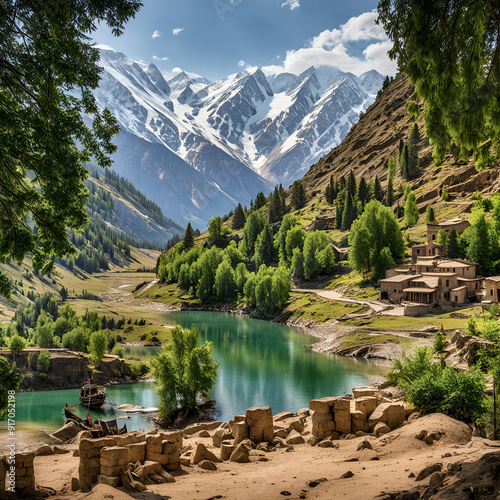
380, 429
260, 422
207, 465
359, 392
391, 414
294, 438
202, 453
366, 405
240, 454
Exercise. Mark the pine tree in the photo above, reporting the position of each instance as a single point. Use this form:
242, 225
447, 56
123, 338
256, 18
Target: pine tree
378, 194
188, 240
403, 162
429, 214
298, 196
453, 251
392, 168
282, 200
274, 206
411, 210
401, 145
385, 83
347, 216
390, 193
260, 200
264, 247
339, 203
363, 192
351, 184
238, 218
330, 191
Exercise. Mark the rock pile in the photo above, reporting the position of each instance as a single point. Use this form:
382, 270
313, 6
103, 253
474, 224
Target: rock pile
368, 412
128, 460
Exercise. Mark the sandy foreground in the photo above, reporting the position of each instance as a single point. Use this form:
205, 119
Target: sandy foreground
281, 474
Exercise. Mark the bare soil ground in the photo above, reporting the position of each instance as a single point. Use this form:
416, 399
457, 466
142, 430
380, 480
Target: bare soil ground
390, 467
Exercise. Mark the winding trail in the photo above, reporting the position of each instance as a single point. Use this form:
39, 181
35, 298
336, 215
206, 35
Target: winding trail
337, 296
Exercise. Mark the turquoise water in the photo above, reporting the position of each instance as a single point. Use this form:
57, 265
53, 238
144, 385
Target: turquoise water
261, 363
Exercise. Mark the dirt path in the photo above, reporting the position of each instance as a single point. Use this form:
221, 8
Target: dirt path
337, 296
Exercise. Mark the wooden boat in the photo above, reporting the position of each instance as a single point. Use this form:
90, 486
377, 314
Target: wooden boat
91, 396
98, 427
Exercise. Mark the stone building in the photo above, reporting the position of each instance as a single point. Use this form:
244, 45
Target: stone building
433, 228
431, 249
491, 289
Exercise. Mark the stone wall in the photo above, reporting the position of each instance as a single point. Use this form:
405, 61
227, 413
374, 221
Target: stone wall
122, 460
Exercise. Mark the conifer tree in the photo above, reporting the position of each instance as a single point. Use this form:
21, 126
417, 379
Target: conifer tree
429, 214
274, 206
347, 216
298, 196
411, 210
392, 168
403, 162
188, 240
452, 250
282, 200
385, 83
378, 194
390, 193
339, 203
264, 246
351, 184
363, 192
330, 191
238, 218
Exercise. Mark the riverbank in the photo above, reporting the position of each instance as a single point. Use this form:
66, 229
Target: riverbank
396, 463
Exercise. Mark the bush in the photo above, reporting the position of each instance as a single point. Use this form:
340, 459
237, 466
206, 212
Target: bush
445, 195
431, 387
33, 360
460, 395
118, 351
43, 362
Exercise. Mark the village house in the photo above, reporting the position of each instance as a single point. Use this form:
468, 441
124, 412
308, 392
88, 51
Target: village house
491, 289
433, 228
433, 280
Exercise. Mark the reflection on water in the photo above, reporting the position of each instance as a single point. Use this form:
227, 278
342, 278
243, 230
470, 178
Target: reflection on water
261, 363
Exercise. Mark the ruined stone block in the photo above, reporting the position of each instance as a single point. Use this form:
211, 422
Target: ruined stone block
360, 392
359, 422
391, 414
240, 431
366, 404
322, 405
114, 456
260, 422
137, 452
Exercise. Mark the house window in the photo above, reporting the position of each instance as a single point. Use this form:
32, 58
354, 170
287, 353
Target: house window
453, 269
447, 282
433, 236
491, 292
418, 250
476, 286
456, 298
395, 290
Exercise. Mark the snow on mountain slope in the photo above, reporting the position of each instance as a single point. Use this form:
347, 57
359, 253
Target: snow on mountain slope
242, 133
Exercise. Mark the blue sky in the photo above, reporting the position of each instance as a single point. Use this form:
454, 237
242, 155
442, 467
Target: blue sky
215, 38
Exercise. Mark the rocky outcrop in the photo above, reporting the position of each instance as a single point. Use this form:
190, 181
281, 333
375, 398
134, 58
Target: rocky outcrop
466, 348
68, 368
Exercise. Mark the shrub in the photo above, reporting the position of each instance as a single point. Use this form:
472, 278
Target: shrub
460, 395
33, 360
43, 362
118, 351
434, 388
445, 195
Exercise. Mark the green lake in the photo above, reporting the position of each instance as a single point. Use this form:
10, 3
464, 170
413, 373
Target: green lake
261, 364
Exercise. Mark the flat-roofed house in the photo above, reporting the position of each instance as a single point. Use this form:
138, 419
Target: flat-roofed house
431, 249
491, 289
433, 228
392, 288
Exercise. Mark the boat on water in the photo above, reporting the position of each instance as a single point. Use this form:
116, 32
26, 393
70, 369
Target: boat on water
98, 427
92, 396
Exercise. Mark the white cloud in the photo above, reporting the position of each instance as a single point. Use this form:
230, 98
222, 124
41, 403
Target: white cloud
330, 48
177, 70
103, 46
241, 63
293, 4
176, 31
156, 58
156, 34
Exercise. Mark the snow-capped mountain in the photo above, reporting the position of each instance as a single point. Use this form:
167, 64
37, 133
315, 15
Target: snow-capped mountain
217, 144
